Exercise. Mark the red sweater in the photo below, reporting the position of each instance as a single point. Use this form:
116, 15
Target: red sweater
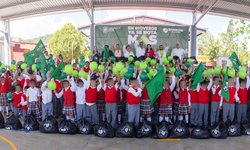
232, 92
21, 82
68, 97
133, 100
203, 96
4, 87
91, 95
216, 97
58, 86
193, 96
166, 97
100, 94
144, 94
242, 93
183, 96
124, 95
24, 107
110, 94
17, 99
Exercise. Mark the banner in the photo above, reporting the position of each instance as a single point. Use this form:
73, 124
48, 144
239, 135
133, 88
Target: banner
154, 35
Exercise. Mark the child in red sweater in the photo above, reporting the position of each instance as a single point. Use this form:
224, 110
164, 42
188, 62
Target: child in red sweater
17, 98
4, 86
166, 100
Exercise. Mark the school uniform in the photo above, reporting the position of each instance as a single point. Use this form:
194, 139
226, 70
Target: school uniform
248, 103
16, 102
203, 100
184, 101
133, 100
33, 106
242, 106
194, 111
111, 103
24, 105
80, 102
4, 89
47, 106
229, 106
91, 108
68, 101
215, 112
166, 102
145, 107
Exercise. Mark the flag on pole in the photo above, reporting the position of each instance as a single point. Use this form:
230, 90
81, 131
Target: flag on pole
235, 61
56, 74
197, 76
155, 86
224, 90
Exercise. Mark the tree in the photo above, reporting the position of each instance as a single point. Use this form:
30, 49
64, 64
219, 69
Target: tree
68, 42
234, 40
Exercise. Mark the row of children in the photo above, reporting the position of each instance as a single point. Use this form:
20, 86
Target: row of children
111, 98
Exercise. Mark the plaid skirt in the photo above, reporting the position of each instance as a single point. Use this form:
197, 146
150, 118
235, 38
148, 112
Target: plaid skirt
183, 109
165, 109
146, 108
33, 108
100, 106
69, 112
175, 108
3, 100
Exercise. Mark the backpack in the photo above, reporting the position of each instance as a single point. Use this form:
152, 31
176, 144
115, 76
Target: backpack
234, 128
67, 127
49, 125
84, 126
125, 130
2, 124
30, 123
219, 131
104, 130
179, 130
13, 123
245, 128
162, 130
144, 130
200, 133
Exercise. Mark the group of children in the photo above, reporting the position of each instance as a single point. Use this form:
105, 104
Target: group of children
114, 99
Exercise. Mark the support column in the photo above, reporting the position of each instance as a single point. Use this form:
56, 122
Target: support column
6, 54
92, 30
193, 37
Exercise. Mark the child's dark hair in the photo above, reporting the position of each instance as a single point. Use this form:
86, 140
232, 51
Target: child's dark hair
30, 71
79, 81
26, 87
242, 80
18, 85
32, 81
132, 80
109, 79
205, 82
215, 78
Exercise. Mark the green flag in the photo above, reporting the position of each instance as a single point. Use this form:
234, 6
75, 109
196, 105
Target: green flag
57, 72
224, 90
235, 61
155, 86
35, 53
197, 76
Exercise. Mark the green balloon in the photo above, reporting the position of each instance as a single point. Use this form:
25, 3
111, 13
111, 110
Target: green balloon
51, 85
19, 63
3, 70
85, 75
205, 73
178, 72
187, 64
82, 57
131, 69
93, 66
231, 73
80, 74
217, 70
75, 73
153, 62
9, 95
123, 71
115, 71
101, 68
12, 67
242, 69
130, 59
143, 65
148, 59
170, 58
33, 67
189, 60
24, 66
242, 75
68, 69
172, 70
137, 63
144, 76
224, 70
161, 52
151, 73
128, 75
13, 62
119, 65
210, 71
90, 54
165, 61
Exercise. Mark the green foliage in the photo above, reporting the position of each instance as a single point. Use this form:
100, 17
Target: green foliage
234, 40
67, 40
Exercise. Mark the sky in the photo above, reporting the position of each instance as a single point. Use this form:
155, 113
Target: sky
42, 25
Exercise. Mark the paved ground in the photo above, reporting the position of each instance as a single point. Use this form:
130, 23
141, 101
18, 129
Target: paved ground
38, 141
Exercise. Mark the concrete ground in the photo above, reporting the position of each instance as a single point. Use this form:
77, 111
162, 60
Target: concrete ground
39, 141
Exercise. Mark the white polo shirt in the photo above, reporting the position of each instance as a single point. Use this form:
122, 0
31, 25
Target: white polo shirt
32, 94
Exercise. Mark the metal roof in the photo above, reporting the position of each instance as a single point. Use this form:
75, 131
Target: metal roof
11, 9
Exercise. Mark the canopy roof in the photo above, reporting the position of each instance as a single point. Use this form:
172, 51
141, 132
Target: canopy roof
11, 9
